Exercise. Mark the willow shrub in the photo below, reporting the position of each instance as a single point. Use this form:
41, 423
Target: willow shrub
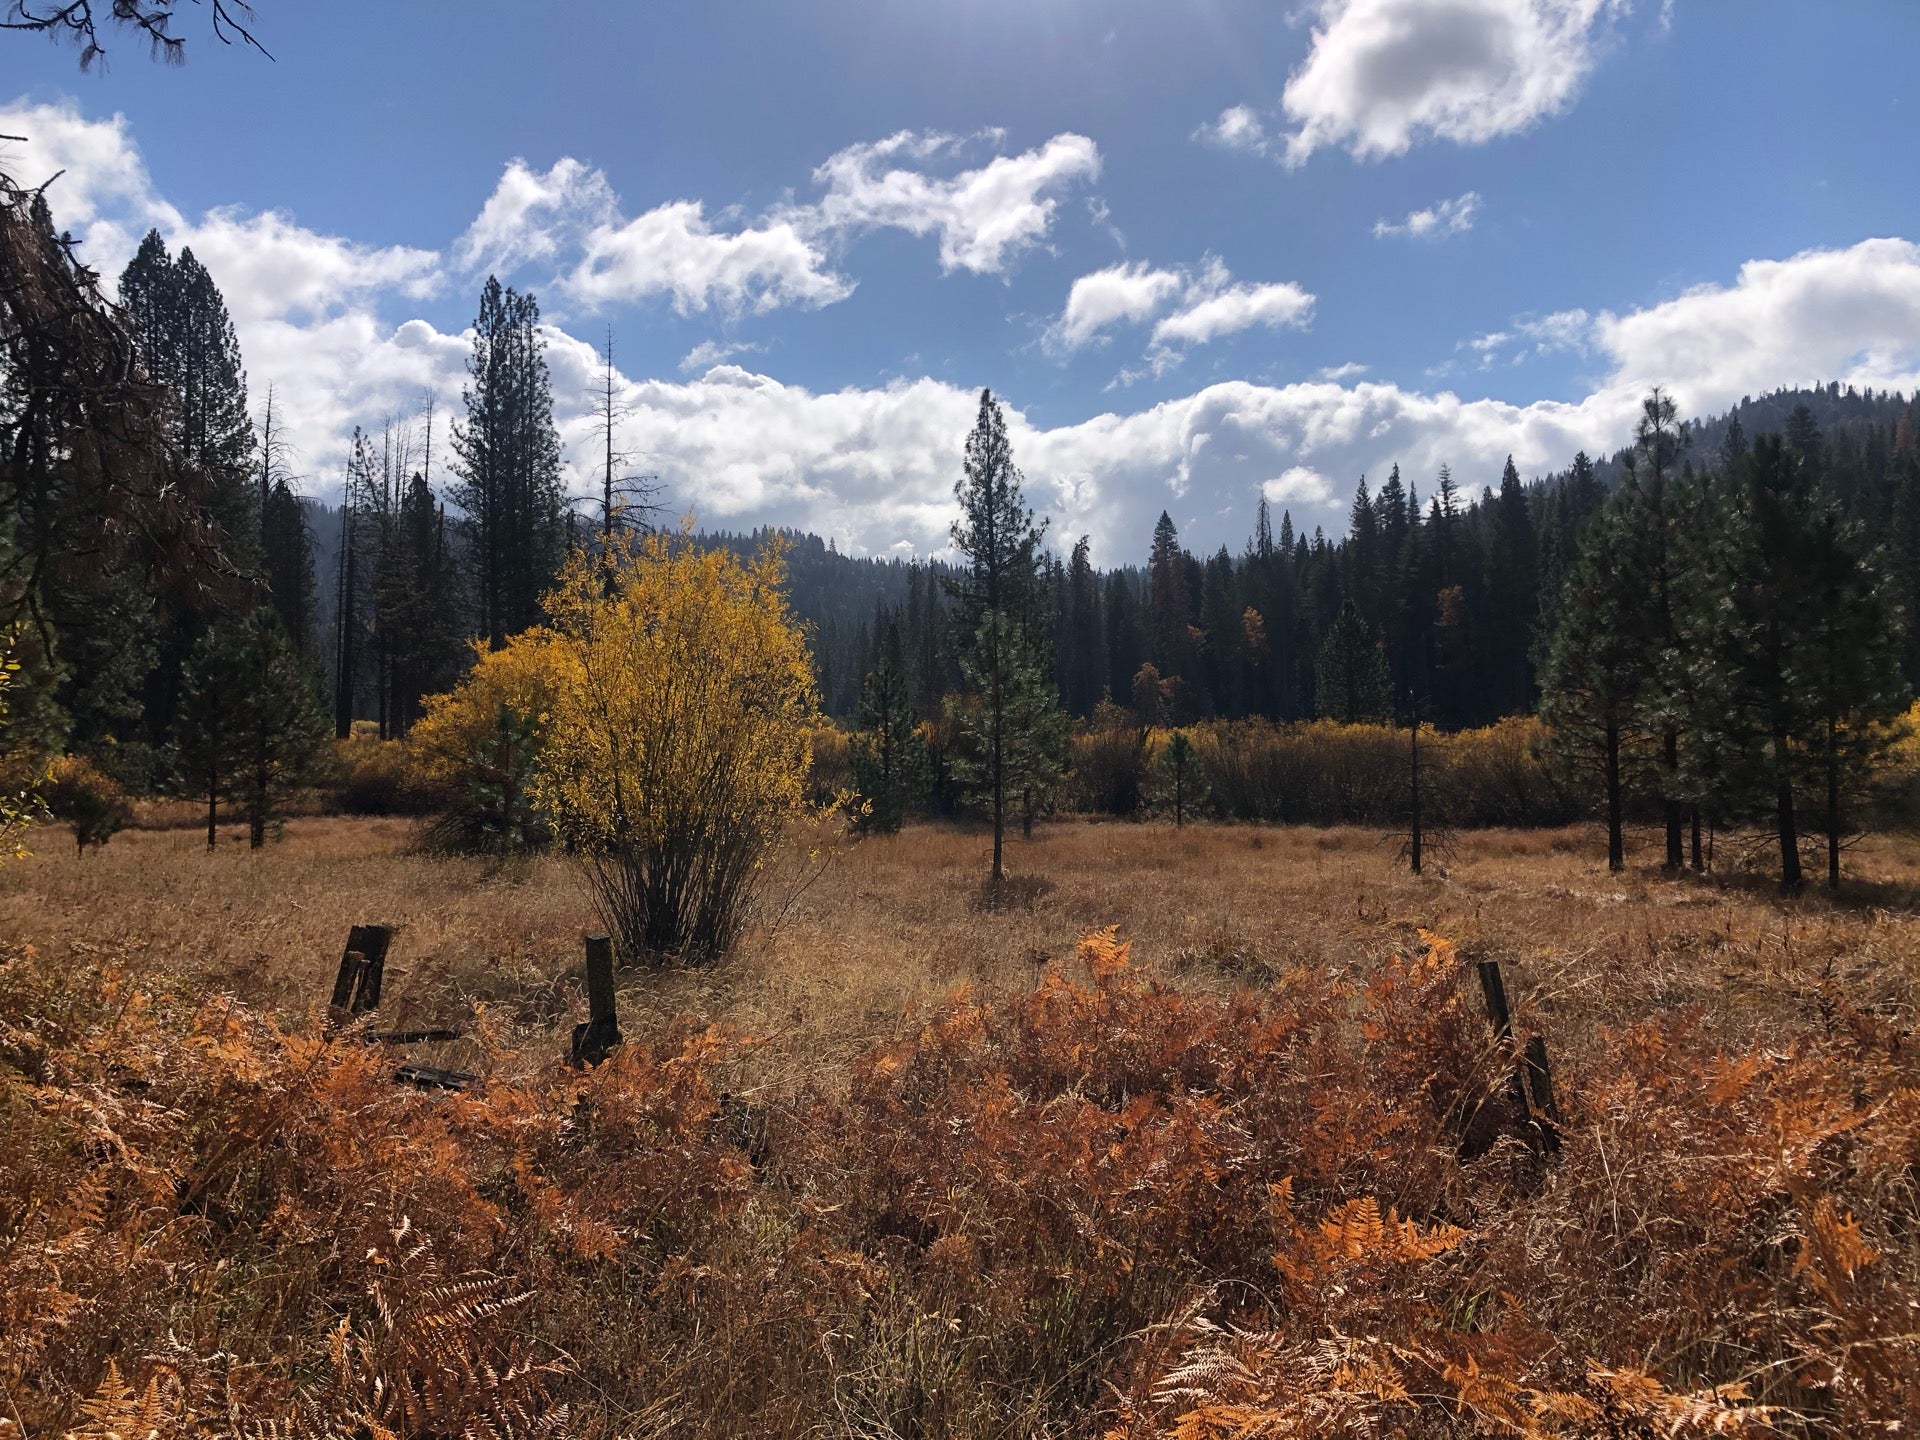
677, 748
476, 750
1322, 772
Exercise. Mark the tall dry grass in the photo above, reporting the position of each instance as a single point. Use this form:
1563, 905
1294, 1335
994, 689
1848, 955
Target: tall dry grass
1257, 1173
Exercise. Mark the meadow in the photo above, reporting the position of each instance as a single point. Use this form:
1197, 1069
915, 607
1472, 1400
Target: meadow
904, 1165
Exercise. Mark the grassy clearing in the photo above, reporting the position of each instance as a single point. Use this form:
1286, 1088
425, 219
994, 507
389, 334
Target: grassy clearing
857, 936
1009, 1213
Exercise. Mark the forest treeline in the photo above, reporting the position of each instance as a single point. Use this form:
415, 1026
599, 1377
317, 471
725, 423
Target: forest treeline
1711, 621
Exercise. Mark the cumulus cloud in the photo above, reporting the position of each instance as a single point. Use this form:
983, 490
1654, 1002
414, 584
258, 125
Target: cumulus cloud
1851, 315
1382, 75
569, 219
1216, 305
672, 251
984, 217
709, 353
874, 467
1125, 294
1436, 222
530, 215
1194, 307
1239, 127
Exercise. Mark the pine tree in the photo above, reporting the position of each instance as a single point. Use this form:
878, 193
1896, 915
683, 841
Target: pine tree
250, 726
431, 651
889, 761
1599, 663
208, 749
1179, 786
1126, 636
1351, 683
1170, 603
1084, 643
1793, 649
1512, 582
509, 466
287, 555
1657, 510
185, 340
997, 594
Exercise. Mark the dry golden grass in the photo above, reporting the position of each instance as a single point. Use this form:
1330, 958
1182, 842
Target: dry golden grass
1030, 1216
856, 940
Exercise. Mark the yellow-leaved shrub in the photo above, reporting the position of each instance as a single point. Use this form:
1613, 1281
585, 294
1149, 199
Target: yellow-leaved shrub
676, 751
478, 745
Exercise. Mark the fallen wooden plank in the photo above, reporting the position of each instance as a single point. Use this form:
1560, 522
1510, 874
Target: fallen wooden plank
429, 1078
410, 1037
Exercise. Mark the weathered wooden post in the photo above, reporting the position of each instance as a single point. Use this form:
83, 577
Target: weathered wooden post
1540, 1082
1532, 1075
1495, 992
595, 1038
356, 988
1413, 841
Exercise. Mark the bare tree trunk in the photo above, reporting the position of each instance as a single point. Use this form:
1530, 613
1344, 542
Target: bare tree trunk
1616, 837
998, 700
1833, 808
1676, 852
1414, 845
1789, 836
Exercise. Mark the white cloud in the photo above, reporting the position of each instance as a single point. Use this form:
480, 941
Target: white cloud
1298, 485
102, 192
1436, 222
671, 251
1215, 306
302, 303
1851, 315
1239, 127
1125, 294
1532, 335
1195, 307
569, 219
708, 353
1383, 75
984, 217
270, 266
530, 215
874, 467
1352, 370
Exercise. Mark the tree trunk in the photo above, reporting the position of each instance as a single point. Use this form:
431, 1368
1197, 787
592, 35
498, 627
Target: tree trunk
1789, 836
1833, 809
1676, 851
999, 778
213, 805
1693, 819
1413, 846
1616, 836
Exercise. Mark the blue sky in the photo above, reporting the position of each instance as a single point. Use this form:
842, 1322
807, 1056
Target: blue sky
1205, 251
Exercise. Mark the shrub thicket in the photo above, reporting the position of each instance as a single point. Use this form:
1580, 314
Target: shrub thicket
1103, 1207
676, 751
90, 803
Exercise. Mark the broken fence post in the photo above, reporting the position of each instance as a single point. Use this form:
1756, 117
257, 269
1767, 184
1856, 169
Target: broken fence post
356, 988
1532, 1075
594, 1039
1546, 1110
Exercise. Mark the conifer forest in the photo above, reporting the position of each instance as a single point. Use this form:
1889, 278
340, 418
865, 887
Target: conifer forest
845, 798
